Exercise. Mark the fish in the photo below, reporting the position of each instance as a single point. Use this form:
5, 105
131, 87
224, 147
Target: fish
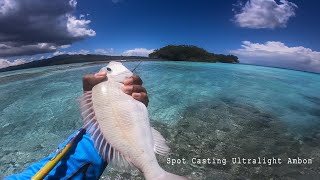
120, 127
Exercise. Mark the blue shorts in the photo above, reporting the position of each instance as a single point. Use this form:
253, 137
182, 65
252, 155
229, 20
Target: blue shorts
81, 162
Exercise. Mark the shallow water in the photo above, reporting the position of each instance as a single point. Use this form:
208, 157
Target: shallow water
204, 110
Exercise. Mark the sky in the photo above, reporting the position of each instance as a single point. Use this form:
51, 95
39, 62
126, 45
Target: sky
280, 33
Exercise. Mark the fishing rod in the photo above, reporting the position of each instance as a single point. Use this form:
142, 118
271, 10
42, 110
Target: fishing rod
44, 171
136, 66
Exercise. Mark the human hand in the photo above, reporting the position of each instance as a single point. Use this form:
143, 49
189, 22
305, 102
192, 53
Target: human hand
132, 86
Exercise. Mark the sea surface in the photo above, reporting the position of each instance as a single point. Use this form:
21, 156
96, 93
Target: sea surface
204, 110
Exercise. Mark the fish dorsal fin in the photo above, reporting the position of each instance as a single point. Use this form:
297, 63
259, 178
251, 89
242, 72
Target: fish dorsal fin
108, 153
160, 146
87, 112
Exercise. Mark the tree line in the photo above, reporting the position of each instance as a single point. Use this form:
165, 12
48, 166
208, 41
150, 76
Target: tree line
191, 53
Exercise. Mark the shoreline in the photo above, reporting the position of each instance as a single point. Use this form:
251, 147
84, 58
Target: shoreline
150, 60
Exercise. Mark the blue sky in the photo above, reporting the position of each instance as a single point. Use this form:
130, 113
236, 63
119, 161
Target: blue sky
264, 32
152, 24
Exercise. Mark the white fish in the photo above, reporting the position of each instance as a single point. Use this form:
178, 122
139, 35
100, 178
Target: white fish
120, 127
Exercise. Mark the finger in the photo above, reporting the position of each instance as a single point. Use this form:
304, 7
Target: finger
99, 78
90, 80
142, 97
87, 77
133, 80
129, 89
137, 80
101, 74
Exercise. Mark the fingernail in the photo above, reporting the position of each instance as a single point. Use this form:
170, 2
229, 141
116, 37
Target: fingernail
136, 95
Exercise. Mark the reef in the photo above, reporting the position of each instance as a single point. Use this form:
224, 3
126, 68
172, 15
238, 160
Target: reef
227, 130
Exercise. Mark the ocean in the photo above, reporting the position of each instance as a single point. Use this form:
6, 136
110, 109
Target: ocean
206, 111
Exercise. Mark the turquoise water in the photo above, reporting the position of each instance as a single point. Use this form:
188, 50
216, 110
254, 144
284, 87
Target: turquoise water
204, 110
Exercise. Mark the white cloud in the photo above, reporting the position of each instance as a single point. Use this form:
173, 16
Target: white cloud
79, 27
46, 46
104, 51
82, 51
29, 49
274, 53
81, 16
259, 14
7, 6
65, 46
138, 52
5, 63
4, 46
30, 27
73, 3
57, 53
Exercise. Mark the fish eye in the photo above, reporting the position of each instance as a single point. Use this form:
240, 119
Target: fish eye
109, 69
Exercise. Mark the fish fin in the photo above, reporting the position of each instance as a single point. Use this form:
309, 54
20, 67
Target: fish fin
84, 96
119, 161
101, 144
86, 106
160, 146
107, 152
92, 126
87, 111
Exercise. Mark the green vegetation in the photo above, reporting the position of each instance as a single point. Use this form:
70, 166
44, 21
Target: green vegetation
191, 53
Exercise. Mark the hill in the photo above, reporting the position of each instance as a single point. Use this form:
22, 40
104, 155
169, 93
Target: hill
191, 53
68, 59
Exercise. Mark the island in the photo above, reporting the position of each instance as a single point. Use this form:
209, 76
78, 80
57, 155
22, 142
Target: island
167, 53
191, 53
